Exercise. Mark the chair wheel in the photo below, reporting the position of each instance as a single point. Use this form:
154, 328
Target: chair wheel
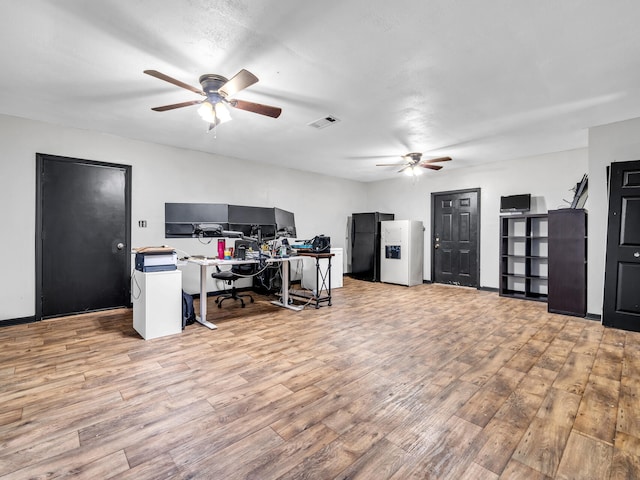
242, 305
219, 304
251, 298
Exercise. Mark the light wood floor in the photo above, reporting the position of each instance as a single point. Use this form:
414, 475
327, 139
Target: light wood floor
389, 383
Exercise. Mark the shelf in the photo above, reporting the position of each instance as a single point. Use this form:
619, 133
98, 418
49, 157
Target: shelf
539, 297
523, 256
519, 275
525, 237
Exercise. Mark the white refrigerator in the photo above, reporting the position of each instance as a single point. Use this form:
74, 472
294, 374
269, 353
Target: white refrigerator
401, 252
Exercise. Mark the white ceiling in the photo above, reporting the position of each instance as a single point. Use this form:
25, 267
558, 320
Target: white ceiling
476, 80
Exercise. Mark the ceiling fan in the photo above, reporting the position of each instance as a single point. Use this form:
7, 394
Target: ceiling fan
218, 91
413, 161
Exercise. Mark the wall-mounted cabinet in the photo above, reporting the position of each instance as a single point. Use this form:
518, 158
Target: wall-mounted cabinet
524, 263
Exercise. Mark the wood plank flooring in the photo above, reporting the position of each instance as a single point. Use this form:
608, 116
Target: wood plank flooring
427, 382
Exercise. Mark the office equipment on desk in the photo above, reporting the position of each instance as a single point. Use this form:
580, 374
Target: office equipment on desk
155, 259
246, 248
239, 270
318, 244
401, 252
152, 250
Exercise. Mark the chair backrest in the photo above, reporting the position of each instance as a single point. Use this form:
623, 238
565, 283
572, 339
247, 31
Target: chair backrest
240, 248
244, 268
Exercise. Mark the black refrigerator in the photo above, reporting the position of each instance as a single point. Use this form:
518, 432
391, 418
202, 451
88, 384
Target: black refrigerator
365, 244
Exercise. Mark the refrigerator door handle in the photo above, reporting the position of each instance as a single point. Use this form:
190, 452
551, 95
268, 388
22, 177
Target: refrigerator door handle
353, 232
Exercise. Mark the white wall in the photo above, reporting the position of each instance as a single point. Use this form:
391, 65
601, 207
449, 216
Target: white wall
160, 174
548, 178
321, 204
616, 142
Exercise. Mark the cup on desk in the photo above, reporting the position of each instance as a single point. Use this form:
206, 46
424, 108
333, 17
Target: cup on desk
227, 254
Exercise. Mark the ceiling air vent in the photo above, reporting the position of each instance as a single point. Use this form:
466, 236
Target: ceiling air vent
324, 122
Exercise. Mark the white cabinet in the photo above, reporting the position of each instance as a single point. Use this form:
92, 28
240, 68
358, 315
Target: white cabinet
309, 270
157, 303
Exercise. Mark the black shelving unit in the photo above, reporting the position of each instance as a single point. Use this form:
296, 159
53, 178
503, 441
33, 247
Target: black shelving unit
523, 256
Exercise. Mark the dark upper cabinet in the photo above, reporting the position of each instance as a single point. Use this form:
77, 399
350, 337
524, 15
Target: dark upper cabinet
568, 262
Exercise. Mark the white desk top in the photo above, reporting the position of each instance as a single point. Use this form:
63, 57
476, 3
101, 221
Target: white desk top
235, 261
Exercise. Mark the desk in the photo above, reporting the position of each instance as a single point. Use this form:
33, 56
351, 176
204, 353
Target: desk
284, 295
209, 262
322, 290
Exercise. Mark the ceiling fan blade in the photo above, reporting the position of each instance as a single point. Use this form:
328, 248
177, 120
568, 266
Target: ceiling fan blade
176, 105
273, 112
178, 83
432, 167
405, 167
439, 159
240, 81
391, 164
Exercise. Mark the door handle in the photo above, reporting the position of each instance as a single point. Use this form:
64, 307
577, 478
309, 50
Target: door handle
637, 254
120, 246
436, 246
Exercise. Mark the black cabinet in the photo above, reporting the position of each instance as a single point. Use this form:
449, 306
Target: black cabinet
523, 256
568, 262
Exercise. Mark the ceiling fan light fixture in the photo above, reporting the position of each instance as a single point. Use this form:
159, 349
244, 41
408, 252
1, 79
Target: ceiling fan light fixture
413, 171
206, 112
222, 112
214, 113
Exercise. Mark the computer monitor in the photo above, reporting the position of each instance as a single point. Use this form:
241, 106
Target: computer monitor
516, 203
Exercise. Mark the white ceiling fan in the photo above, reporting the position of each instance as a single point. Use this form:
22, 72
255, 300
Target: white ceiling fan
218, 92
414, 163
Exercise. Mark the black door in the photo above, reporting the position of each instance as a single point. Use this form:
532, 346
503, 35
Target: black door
83, 234
455, 237
622, 271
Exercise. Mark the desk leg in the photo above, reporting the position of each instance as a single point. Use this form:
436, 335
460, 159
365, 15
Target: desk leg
284, 298
202, 319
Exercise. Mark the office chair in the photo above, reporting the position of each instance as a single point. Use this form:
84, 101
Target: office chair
236, 272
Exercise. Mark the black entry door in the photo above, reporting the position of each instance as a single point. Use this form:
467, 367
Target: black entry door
622, 271
83, 233
455, 237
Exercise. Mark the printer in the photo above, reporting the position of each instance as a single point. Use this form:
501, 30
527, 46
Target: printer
149, 259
